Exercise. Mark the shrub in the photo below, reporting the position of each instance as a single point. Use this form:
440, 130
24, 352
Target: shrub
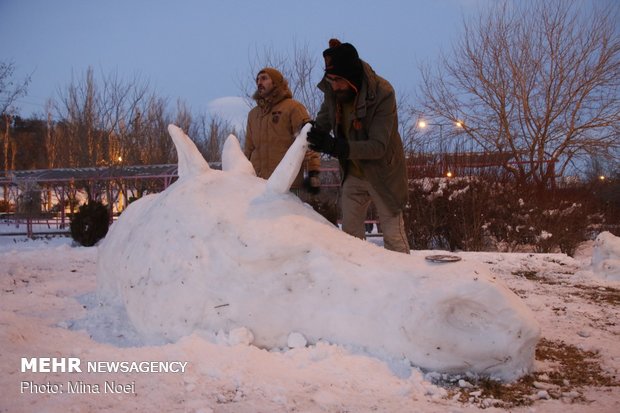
447, 213
90, 223
5, 206
482, 213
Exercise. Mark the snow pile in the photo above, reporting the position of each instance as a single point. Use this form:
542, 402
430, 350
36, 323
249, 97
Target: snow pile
227, 253
606, 256
48, 307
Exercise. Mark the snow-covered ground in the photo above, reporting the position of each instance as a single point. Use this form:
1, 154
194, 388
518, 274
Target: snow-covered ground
47, 309
225, 293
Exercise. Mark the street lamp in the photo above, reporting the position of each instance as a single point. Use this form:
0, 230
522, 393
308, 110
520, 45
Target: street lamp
423, 124
120, 206
457, 124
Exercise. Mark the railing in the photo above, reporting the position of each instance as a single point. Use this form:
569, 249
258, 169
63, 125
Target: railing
18, 225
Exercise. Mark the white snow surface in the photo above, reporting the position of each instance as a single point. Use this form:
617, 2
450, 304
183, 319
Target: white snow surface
221, 250
49, 308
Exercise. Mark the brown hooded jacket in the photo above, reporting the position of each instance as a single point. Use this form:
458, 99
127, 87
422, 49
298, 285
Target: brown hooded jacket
272, 126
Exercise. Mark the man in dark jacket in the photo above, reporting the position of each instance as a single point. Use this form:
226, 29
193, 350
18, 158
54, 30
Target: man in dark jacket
359, 108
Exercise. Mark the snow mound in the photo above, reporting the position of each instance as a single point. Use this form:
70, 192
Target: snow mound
606, 256
225, 251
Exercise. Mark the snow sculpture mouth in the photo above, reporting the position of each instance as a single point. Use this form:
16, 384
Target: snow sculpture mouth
218, 250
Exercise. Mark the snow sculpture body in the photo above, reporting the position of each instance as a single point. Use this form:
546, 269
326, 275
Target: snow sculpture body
219, 250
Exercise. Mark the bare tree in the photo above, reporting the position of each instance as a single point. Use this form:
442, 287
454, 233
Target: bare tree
210, 133
99, 117
10, 91
77, 109
51, 136
121, 103
183, 118
150, 142
407, 121
538, 80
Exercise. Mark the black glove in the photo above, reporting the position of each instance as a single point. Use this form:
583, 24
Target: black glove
312, 183
321, 141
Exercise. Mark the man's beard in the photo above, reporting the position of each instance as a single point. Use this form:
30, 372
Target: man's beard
263, 92
344, 96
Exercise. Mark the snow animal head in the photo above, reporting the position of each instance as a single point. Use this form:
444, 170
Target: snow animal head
219, 250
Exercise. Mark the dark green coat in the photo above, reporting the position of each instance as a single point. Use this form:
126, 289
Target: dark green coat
376, 143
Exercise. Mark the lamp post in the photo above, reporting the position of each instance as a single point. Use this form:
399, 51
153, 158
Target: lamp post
423, 124
121, 194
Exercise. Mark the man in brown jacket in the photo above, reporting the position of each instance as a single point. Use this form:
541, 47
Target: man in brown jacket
359, 108
273, 125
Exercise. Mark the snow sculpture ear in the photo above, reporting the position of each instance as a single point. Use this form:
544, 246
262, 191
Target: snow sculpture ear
233, 158
282, 178
191, 162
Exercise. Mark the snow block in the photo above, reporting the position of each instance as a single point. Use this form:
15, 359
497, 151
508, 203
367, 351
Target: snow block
223, 250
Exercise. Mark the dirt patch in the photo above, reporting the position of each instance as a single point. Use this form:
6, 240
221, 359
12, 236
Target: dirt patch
575, 367
534, 276
569, 370
607, 295
527, 274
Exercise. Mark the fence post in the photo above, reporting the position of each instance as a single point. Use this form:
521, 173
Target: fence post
29, 232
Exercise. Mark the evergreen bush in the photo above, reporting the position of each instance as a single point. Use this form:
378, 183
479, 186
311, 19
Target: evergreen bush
90, 223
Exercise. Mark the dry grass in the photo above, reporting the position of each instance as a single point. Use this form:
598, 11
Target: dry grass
568, 371
607, 295
533, 276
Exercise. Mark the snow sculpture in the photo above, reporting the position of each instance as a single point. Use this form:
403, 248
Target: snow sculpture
220, 250
606, 256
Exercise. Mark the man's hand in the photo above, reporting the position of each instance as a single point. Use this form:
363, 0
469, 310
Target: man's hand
321, 141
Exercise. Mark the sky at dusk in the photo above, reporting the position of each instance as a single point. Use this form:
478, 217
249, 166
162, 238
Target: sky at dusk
199, 51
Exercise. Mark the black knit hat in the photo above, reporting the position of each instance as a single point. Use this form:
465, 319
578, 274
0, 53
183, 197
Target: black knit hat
341, 59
